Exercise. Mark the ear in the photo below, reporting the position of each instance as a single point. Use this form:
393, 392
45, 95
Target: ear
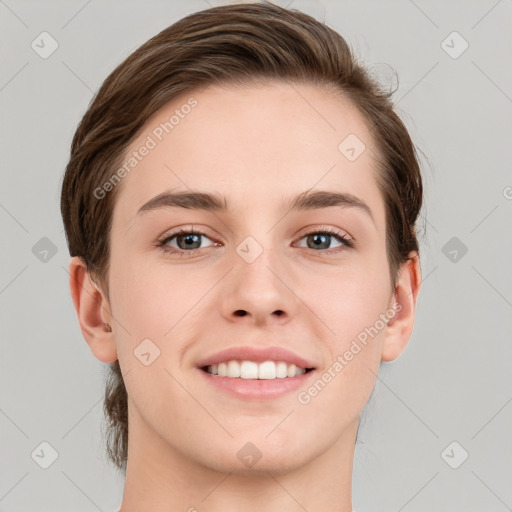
399, 328
93, 311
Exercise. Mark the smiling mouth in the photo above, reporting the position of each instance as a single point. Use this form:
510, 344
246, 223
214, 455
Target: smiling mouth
250, 370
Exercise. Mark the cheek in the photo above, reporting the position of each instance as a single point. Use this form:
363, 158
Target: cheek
357, 313
351, 300
146, 301
347, 378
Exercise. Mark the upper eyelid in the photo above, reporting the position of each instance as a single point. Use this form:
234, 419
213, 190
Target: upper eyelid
192, 230
329, 229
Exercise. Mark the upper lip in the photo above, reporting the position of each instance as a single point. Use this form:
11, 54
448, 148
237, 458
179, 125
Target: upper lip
258, 355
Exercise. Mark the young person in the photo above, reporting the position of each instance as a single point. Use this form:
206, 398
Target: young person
240, 208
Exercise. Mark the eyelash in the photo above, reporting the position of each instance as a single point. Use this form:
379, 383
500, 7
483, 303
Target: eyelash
348, 243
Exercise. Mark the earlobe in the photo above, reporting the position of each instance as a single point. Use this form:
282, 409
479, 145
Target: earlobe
93, 311
399, 329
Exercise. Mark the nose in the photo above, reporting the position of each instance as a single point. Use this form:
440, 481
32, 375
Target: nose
260, 292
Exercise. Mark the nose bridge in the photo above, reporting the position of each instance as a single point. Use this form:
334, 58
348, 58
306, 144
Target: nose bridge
255, 263
257, 283
259, 249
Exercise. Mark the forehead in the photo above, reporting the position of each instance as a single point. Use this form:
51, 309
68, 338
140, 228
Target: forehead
253, 144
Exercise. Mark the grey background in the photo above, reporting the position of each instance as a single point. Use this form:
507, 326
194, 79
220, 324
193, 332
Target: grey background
453, 382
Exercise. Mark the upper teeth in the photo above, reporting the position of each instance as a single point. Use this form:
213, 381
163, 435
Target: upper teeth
252, 370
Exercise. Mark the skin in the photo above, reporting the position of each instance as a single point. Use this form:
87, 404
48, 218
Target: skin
257, 146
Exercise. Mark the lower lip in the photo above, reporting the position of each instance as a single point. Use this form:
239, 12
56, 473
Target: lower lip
257, 388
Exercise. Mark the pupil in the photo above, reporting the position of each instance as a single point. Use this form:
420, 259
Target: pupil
189, 239
317, 241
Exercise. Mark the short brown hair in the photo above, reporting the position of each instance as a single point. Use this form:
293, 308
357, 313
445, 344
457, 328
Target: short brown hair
230, 44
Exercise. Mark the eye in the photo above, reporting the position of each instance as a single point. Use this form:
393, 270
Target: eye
183, 241
322, 240
186, 241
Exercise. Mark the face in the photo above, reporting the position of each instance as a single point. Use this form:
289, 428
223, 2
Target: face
186, 283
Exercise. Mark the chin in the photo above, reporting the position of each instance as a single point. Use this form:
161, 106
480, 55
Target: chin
253, 460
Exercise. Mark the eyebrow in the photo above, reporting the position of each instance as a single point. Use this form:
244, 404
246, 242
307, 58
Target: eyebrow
308, 200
